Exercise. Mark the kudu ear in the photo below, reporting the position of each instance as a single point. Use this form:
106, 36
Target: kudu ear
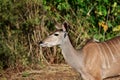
63, 26
58, 26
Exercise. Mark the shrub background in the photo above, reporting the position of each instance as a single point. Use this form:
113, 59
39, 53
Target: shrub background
23, 23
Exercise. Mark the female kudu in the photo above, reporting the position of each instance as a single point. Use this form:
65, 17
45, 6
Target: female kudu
95, 61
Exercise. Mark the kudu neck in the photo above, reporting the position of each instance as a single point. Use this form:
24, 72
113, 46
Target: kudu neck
71, 55
66, 44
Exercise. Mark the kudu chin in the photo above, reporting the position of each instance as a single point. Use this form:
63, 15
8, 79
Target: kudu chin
95, 61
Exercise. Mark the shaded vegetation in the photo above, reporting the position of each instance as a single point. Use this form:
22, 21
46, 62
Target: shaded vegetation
23, 23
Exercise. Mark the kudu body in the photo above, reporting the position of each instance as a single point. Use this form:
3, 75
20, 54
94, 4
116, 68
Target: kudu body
95, 61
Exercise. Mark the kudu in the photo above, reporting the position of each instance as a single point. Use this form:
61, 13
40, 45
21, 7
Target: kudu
95, 61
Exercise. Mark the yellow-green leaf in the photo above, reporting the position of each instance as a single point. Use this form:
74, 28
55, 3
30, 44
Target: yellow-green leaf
117, 28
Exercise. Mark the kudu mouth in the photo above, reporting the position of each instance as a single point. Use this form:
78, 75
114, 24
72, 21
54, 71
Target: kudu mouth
43, 44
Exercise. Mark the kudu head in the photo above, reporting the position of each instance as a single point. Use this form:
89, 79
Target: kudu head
57, 38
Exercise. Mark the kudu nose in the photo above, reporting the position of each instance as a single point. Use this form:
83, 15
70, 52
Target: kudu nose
40, 42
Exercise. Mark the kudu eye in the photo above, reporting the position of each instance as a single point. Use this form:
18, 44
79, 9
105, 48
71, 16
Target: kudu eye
56, 34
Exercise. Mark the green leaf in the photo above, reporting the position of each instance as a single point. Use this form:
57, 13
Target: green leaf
63, 6
117, 28
25, 74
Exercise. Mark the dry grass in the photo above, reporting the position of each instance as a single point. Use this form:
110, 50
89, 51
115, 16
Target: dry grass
50, 72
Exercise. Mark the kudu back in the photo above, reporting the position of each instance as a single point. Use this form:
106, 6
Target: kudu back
95, 61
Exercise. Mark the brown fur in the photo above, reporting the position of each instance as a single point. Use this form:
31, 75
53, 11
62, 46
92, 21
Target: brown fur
95, 61
100, 56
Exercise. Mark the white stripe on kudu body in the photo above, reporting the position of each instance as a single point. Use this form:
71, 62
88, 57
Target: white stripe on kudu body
110, 52
95, 61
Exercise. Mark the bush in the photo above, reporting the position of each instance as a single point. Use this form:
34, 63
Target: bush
25, 22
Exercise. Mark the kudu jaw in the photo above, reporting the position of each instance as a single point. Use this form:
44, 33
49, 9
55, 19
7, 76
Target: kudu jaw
56, 38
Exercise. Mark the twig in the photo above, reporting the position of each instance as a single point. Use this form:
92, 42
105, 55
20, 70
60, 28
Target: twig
91, 9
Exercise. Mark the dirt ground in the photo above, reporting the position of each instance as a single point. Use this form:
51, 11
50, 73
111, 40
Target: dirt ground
51, 72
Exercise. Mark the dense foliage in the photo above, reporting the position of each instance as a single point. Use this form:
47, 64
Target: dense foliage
25, 22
